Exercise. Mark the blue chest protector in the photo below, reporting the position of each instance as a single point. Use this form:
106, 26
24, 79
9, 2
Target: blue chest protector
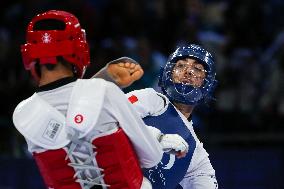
171, 170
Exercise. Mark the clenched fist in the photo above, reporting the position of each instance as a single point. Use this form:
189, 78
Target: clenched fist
124, 71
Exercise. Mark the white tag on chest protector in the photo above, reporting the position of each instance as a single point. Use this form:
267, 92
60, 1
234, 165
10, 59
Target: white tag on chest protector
52, 129
40, 123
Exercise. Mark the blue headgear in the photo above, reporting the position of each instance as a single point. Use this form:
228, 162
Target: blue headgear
188, 94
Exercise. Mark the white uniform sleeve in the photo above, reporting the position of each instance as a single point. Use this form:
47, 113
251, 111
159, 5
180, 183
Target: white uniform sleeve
146, 146
148, 102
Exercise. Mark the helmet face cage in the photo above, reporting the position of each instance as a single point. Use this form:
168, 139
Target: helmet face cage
185, 93
45, 45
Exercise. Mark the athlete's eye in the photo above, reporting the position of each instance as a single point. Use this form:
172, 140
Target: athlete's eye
180, 66
199, 68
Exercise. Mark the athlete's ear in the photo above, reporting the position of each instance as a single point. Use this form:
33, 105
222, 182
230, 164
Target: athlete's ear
35, 73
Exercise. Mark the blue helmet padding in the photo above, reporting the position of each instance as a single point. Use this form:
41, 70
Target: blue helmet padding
185, 93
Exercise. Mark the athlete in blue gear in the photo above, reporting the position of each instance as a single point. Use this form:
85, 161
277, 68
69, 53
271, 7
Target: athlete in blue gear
187, 80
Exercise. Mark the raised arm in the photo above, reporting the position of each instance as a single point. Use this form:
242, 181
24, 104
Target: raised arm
122, 71
147, 147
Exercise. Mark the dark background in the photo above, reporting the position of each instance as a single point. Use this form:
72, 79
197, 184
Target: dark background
242, 130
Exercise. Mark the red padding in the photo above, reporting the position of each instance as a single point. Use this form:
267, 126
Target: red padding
117, 157
55, 170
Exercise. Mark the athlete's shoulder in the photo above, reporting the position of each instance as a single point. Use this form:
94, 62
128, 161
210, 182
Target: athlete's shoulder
95, 85
40, 123
148, 101
92, 81
98, 83
143, 94
25, 104
147, 95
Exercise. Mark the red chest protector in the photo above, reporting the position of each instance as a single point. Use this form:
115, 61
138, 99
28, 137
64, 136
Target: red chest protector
114, 154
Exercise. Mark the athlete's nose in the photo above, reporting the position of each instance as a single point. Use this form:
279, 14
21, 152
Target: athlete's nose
189, 72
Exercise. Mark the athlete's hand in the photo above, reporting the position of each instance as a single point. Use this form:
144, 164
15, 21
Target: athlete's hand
124, 72
173, 143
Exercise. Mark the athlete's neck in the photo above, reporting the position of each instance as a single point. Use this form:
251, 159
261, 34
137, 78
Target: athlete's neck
59, 72
185, 109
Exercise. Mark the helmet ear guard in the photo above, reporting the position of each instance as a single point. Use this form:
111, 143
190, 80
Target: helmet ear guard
45, 45
188, 94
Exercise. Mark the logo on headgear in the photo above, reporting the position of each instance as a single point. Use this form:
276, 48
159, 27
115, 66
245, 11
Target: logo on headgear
46, 38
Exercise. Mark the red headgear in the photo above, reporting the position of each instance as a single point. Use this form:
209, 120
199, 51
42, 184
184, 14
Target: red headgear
46, 45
